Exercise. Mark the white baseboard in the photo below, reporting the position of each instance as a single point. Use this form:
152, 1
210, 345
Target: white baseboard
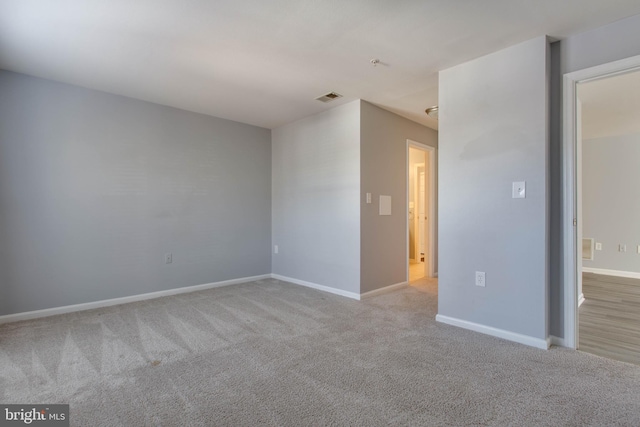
123, 300
500, 333
329, 289
557, 341
580, 300
617, 273
384, 290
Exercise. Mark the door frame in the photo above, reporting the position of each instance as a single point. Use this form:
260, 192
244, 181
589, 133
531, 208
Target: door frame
571, 210
431, 211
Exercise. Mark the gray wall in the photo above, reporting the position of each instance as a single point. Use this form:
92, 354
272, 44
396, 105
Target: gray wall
556, 194
605, 44
316, 190
609, 43
96, 188
384, 171
493, 130
610, 202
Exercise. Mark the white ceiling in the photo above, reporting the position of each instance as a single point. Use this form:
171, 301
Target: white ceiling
263, 62
611, 106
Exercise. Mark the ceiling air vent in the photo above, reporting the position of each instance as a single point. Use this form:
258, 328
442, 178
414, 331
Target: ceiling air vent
329, 97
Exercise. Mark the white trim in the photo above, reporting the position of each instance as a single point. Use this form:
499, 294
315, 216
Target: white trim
123, 300
557, 341
500, 333
329, 289
384, 290
581, 299
433, 152
616, 273
571, 266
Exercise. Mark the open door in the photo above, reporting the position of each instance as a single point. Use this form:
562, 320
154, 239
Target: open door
420, 210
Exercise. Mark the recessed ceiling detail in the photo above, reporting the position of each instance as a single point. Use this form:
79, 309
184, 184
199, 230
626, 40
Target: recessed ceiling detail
328, 97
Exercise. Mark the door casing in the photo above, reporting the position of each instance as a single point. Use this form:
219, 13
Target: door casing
572, 214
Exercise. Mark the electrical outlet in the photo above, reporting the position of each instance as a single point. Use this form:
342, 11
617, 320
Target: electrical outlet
639, 249
275, 249
599, 246
480, 279
622, 248
168, 258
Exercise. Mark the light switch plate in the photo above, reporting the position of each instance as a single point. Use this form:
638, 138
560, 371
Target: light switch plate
368, 197
385, 205
481, 279
519, 190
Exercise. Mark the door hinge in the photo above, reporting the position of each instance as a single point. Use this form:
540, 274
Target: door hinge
575, 222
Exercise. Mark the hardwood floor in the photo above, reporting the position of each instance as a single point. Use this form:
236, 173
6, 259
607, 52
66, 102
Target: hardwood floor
416, 271
609, 319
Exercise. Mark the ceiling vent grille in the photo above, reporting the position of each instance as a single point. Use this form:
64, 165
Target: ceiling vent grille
328, 97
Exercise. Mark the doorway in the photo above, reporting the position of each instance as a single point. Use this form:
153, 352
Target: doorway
420, 211
598, 247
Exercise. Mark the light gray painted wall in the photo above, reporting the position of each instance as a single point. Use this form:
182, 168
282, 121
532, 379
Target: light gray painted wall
384, 171
610, 202
493, 130
316, 190
556, 228
96, 188
605, 44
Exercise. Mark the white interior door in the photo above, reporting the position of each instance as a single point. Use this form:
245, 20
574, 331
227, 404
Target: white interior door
418, 225
422, 217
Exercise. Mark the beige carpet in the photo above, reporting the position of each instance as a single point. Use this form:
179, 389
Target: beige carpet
273, 353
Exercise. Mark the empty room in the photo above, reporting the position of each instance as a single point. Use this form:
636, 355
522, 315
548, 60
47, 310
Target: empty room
315, 213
